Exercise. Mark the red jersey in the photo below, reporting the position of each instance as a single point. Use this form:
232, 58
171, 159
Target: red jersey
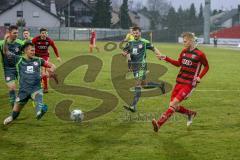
190, 63
41, 46
93, 37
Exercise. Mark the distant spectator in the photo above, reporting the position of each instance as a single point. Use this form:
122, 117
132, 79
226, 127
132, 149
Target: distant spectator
215, 40
93, 38
129, 36
26, 36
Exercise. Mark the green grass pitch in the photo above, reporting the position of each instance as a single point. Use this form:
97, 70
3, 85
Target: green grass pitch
119, 135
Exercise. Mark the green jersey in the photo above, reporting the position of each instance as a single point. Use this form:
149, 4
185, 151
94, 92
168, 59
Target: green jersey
27, 40
29, 72
137, 50
13, 47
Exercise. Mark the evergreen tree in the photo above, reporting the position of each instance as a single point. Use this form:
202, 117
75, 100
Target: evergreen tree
181, 19
191, 18
200, 15
192, 12
102, 17
172, 23
125, 21
200, 20
108, 14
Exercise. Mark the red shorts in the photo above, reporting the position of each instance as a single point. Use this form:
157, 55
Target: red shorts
181, 91
46, 58
92, 42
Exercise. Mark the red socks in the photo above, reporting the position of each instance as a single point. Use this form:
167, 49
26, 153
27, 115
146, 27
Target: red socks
185, 111
45, 82
166, 116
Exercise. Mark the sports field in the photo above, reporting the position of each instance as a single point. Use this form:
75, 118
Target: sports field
113, 133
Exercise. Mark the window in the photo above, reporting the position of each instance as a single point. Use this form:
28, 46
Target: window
19, 13
35, 14
7, 24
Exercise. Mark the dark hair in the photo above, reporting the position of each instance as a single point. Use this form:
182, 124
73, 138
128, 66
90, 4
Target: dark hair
26, 45
25, 29
12, 27
136, 28
43, 29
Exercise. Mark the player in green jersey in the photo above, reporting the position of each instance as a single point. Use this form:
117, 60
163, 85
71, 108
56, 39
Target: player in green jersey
9, 68
26, 36
29, 72
135, 50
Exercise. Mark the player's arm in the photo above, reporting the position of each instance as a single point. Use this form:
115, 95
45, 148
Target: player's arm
55, 50
174, 62
152, 48
204, 62
10, 55
126, 50
126, 38
5, 44
126, 53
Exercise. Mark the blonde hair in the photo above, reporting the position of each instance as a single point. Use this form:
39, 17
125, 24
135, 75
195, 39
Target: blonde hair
189, 35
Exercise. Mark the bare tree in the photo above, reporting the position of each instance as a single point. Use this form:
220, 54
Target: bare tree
162, 6
116, 3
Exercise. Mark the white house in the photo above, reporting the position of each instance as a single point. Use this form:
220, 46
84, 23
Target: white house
34, 14
144, 21
137, 18
226, 19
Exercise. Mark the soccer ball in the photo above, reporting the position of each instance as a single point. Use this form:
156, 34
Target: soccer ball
77, 115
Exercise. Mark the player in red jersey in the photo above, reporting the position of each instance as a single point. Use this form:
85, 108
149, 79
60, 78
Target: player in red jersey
42, 43
93, 37
190, 61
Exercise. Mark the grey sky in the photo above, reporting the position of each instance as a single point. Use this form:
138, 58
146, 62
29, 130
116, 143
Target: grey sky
215, 4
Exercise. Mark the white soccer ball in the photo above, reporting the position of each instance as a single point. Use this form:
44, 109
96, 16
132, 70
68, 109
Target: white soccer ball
77, 115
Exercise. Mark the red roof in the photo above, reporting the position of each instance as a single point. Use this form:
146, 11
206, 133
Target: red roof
233, 32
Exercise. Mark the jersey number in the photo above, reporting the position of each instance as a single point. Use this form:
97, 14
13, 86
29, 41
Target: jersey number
135, 51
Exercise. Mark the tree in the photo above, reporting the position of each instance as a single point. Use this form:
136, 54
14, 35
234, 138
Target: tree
200, 15
172, 26
161, 6
108, 14
157, 9
200, 20
192, 13
102, 17
125, 21
191, 18
181, 19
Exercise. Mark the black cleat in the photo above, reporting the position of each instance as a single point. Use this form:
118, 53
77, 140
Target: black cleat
155, 125
162, 87
130, 108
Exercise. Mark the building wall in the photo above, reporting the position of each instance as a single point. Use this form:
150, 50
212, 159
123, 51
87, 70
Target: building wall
33, 15
144, 22
82, 13
228, 23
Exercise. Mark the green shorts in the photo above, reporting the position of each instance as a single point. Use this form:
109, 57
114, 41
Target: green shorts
10, 75
140, 74
24, 96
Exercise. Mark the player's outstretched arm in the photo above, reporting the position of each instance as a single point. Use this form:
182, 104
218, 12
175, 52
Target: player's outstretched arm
55, 50
204, 61
5, 45
157, 52
176, 63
